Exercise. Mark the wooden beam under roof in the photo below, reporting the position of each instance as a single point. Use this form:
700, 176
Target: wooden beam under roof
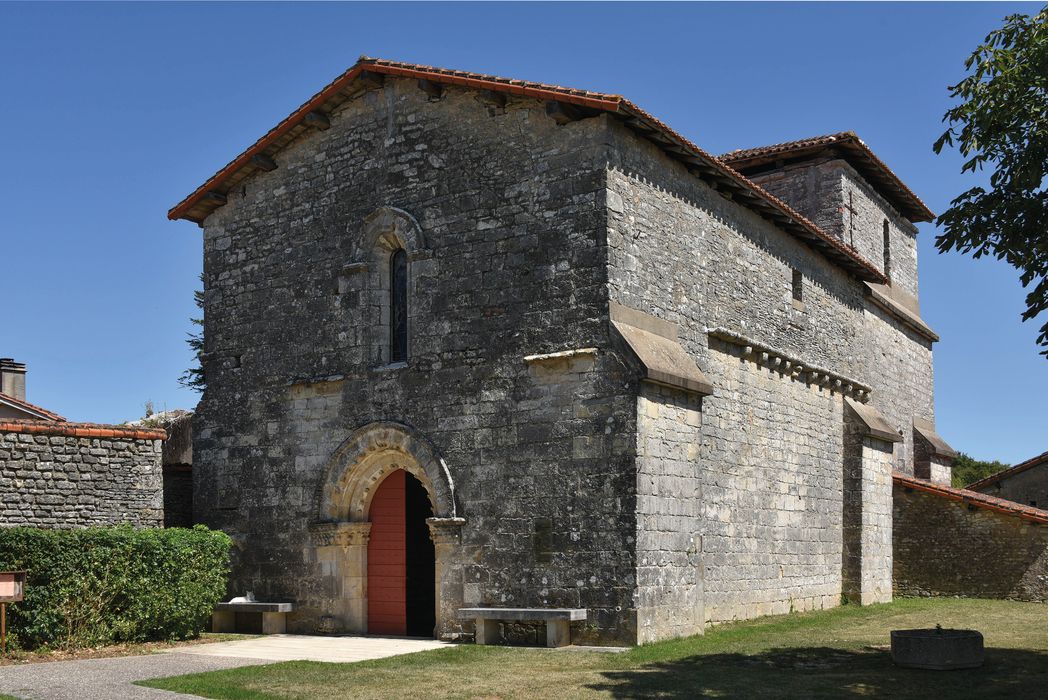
372, 80
263, 162
318, 120
492, 98
434, 90
561, 112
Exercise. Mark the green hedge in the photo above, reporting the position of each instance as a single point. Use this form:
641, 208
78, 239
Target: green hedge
106, 585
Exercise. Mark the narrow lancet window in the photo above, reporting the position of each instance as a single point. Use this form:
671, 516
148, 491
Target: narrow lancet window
398, 306
887, 250
798, 286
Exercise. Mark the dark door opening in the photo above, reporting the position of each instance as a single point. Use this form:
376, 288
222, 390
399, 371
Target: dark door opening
421, 562
401, 559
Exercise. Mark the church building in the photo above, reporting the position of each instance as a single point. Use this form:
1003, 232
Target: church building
473, 341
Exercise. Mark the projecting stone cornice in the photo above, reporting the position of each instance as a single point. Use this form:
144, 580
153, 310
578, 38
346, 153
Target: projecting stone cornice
653, 341
901, 306
791, 365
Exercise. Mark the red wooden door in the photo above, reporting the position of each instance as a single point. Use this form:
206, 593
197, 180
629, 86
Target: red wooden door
387, 558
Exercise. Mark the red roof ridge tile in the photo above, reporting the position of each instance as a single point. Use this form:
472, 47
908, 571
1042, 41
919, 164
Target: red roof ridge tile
1010, 471
73, 429
973, 498
845, 255
739, 153
22, 403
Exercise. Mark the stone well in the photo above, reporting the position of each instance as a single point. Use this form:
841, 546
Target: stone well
937, 649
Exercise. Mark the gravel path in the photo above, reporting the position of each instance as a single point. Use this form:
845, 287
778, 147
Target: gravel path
108, 679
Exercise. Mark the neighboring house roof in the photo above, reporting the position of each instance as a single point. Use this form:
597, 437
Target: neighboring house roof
29, 409
1010, 471
846, 145
259, 157
973, 498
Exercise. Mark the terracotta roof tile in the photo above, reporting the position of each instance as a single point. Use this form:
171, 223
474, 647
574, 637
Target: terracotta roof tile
1010, 471
70, 429
854, 150
973, 498
19, 403
196, 206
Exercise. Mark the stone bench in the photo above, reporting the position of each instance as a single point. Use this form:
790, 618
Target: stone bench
558, 622
274, 617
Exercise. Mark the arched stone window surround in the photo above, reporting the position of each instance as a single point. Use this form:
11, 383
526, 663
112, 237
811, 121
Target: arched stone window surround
385, 231
385, 224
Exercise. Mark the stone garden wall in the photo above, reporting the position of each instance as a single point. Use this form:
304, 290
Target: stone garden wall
66, 475
954, 542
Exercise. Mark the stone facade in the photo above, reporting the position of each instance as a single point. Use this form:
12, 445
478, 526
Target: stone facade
65, 475
948, 542
565, 466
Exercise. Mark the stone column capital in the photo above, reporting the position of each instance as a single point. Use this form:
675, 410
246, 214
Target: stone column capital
340, 534
445, 531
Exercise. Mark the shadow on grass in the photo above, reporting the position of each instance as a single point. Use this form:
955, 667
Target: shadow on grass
822, 672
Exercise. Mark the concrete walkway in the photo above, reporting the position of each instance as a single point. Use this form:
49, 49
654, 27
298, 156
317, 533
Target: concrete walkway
111, 679
300, 647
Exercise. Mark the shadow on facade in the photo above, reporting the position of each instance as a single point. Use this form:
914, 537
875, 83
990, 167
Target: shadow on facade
821, 672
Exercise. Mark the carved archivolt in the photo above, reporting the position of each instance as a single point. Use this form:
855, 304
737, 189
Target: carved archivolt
371, 453
387, 229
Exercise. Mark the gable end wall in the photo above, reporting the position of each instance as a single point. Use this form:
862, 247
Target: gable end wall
511, 207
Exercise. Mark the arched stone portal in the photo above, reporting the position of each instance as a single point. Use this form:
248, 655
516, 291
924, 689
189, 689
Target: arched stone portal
340, 533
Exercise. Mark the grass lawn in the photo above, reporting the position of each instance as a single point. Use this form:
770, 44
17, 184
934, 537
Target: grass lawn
826, 654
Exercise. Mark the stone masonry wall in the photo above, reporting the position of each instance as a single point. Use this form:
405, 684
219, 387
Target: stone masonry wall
771, 456
669, 514
899, 362
510, 263
867, 553
944, 547
772, 486
67, 475
834, 196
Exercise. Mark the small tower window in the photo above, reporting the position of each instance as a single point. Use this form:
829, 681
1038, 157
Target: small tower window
798, 286
887, 250
398, 306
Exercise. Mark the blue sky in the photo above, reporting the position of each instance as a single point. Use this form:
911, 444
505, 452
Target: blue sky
111, 113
